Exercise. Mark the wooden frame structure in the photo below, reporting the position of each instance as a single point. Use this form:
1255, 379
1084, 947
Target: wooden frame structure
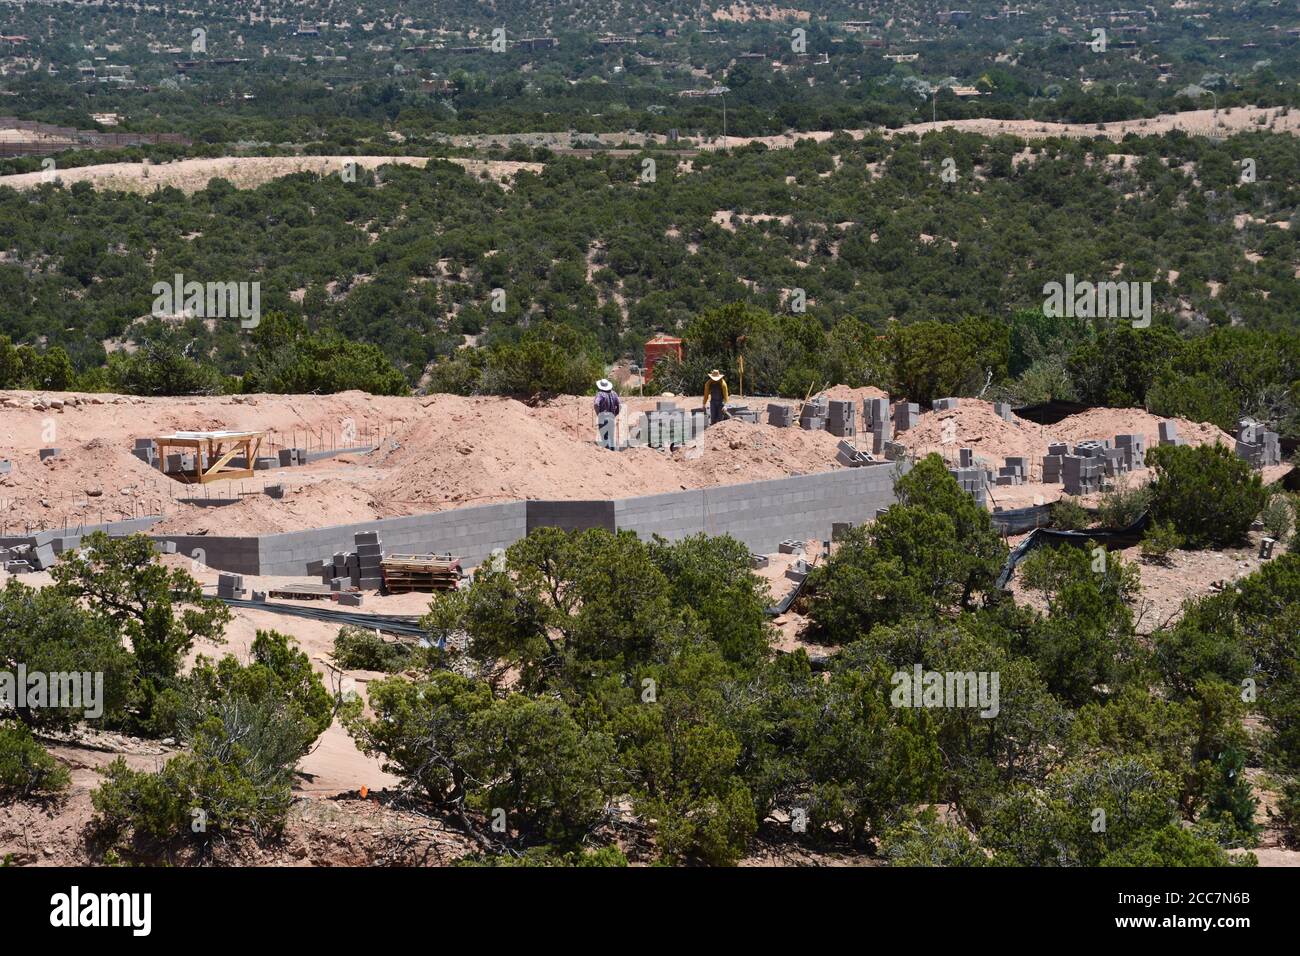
214, 444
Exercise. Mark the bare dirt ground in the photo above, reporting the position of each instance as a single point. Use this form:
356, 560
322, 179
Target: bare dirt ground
445, 451
244, 172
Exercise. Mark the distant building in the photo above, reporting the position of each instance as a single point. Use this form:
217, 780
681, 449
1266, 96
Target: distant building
660, 347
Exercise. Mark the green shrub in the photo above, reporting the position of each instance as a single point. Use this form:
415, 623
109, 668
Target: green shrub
1209, 494
1278, 518
1069, 515
359, 649
235, 779
1160, 541
1288, 811
1123, 505
26, 770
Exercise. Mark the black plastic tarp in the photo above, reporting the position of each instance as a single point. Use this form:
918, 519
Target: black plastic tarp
1108, 539
1049, 413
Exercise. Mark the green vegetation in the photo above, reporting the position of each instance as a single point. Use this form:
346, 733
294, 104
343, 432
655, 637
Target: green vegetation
246, 726
359, 649
1209, 494
26, 770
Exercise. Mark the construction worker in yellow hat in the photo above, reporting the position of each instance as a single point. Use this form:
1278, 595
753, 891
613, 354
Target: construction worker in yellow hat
715, 397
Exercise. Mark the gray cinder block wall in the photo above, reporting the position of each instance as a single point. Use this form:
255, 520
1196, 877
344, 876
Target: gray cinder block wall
760, 514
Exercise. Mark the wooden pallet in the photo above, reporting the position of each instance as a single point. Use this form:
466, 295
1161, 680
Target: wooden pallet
404, 573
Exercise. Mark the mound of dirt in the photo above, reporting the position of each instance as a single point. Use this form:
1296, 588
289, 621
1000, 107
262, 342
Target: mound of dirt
304, 506
972, 424
733, 451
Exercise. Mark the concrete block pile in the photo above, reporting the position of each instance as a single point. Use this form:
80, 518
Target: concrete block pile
797, 571
1052, 462
146, 449
813, 415
839, 529
1257, 445
361, 568
943, 404
974, 480
895, 451
1169, 434
790, 546
665, 426
1002, 410
1014, 471
6, 466
742, 413
906, 415
230, 585
782, 416
50, 453
1082, 474
1134, 448
851, 457
875, 416
758, 561
841, 419
290, 457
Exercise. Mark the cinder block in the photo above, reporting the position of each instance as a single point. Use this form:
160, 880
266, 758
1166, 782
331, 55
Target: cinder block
50, 453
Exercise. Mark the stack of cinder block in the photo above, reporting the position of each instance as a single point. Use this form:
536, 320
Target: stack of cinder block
6, 466
813, 415
758, 561
1257, 445
1052, 462
943, 404
1134, 448
841, 419
1115, 461
664, 427
1014, 471
46, 453
274, 491
839, 529
797, 571
906, 415
742, 413
357, 569
875, 412
1081, 474
780, 415
790, 546
230, 585
1002, 410
292, 456
973, 480
1169, 434
146, 449
847, 455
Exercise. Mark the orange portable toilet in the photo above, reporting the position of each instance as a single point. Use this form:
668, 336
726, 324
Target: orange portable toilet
658, 347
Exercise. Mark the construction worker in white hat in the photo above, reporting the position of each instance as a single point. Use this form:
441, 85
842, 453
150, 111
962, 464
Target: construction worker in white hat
607, 407
715, 397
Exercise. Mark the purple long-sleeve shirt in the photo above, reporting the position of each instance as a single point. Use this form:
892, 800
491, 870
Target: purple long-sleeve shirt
607, 402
